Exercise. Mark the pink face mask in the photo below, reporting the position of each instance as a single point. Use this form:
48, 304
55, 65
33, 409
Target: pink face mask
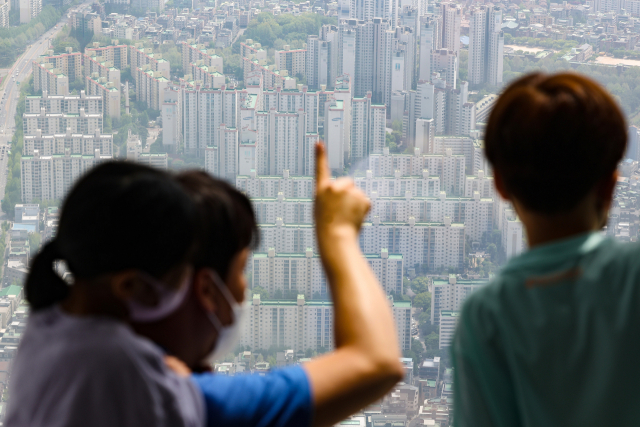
168, 301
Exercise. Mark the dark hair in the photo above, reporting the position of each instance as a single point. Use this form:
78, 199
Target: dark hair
228, 223
118, 216
553, 138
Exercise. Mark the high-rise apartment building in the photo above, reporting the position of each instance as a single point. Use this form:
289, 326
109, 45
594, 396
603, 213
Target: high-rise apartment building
50, 177
204, 110
68, 104
5, 6
150, 86
302, 273
209, 76
108, 90
425, 185
430, 41
50, 79
292, 60
29, 9
257, 186
451, 18
366, 10
373, 48
435, 244
486, 41
53, 73
368, 128
403, 59
100, 66
171, 119
192, 53
450, 294
48, 145
450, 168
140, 57
322, 57
54, 123
283, 143
117, 54
305, 324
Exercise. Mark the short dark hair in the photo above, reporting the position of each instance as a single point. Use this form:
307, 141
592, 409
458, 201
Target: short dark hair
552, 138
227, 221
118, 216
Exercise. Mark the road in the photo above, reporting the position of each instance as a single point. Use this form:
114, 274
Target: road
11, 92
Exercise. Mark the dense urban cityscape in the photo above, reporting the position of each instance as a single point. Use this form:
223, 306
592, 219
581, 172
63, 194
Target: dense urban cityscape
399, 91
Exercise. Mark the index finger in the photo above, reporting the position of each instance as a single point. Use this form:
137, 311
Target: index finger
322, 168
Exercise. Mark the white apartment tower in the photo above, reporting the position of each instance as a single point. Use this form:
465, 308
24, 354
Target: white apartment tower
368, 122
29, 9
451, 18
372, 52
322, 57
430, 40
486, 41
4, 13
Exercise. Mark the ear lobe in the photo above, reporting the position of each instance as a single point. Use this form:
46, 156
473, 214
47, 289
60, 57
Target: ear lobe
500, 187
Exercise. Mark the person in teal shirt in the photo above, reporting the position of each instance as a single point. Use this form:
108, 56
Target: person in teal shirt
553, 340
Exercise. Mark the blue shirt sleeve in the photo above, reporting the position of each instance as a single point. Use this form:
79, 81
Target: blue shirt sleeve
281, 398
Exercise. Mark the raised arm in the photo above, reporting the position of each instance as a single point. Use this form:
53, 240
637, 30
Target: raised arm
366, 362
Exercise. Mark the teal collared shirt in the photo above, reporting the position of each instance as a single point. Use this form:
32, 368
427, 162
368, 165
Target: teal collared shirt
553, 340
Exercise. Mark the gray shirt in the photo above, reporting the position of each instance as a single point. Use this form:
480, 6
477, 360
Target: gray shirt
94, 371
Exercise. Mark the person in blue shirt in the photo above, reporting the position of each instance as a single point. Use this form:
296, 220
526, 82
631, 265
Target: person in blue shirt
365, 363
553, 339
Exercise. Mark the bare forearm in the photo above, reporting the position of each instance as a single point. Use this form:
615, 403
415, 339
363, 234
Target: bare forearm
362, 314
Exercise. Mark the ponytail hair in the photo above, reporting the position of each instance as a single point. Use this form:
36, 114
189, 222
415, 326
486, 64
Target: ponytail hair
118, 216
44, 287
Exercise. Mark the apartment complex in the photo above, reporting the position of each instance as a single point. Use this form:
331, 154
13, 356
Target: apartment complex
50, 177
116, 53
66, 104
150, 86
486, 42
302, 273
53, 73
294, 61
85, 144
192, 53
303, 324
108, 90
448, 295
53, 123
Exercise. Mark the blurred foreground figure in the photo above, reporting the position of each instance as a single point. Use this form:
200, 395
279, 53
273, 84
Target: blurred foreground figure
126, 233
553, 340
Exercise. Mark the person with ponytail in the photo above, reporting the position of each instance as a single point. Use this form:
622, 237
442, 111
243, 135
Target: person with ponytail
126, 235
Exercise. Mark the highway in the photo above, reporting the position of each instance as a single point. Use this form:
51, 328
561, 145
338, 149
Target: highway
11, 92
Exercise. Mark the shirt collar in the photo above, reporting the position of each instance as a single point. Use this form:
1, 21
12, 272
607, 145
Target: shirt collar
557, 250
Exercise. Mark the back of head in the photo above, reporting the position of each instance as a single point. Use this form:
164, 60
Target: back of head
552, 138
228, 224
118, 216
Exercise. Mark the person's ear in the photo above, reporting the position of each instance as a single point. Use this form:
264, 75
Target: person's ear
607, 187
203, 289
500, 187
128, 285
604, 195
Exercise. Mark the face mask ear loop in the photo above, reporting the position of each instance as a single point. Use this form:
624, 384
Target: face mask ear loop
227, 295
